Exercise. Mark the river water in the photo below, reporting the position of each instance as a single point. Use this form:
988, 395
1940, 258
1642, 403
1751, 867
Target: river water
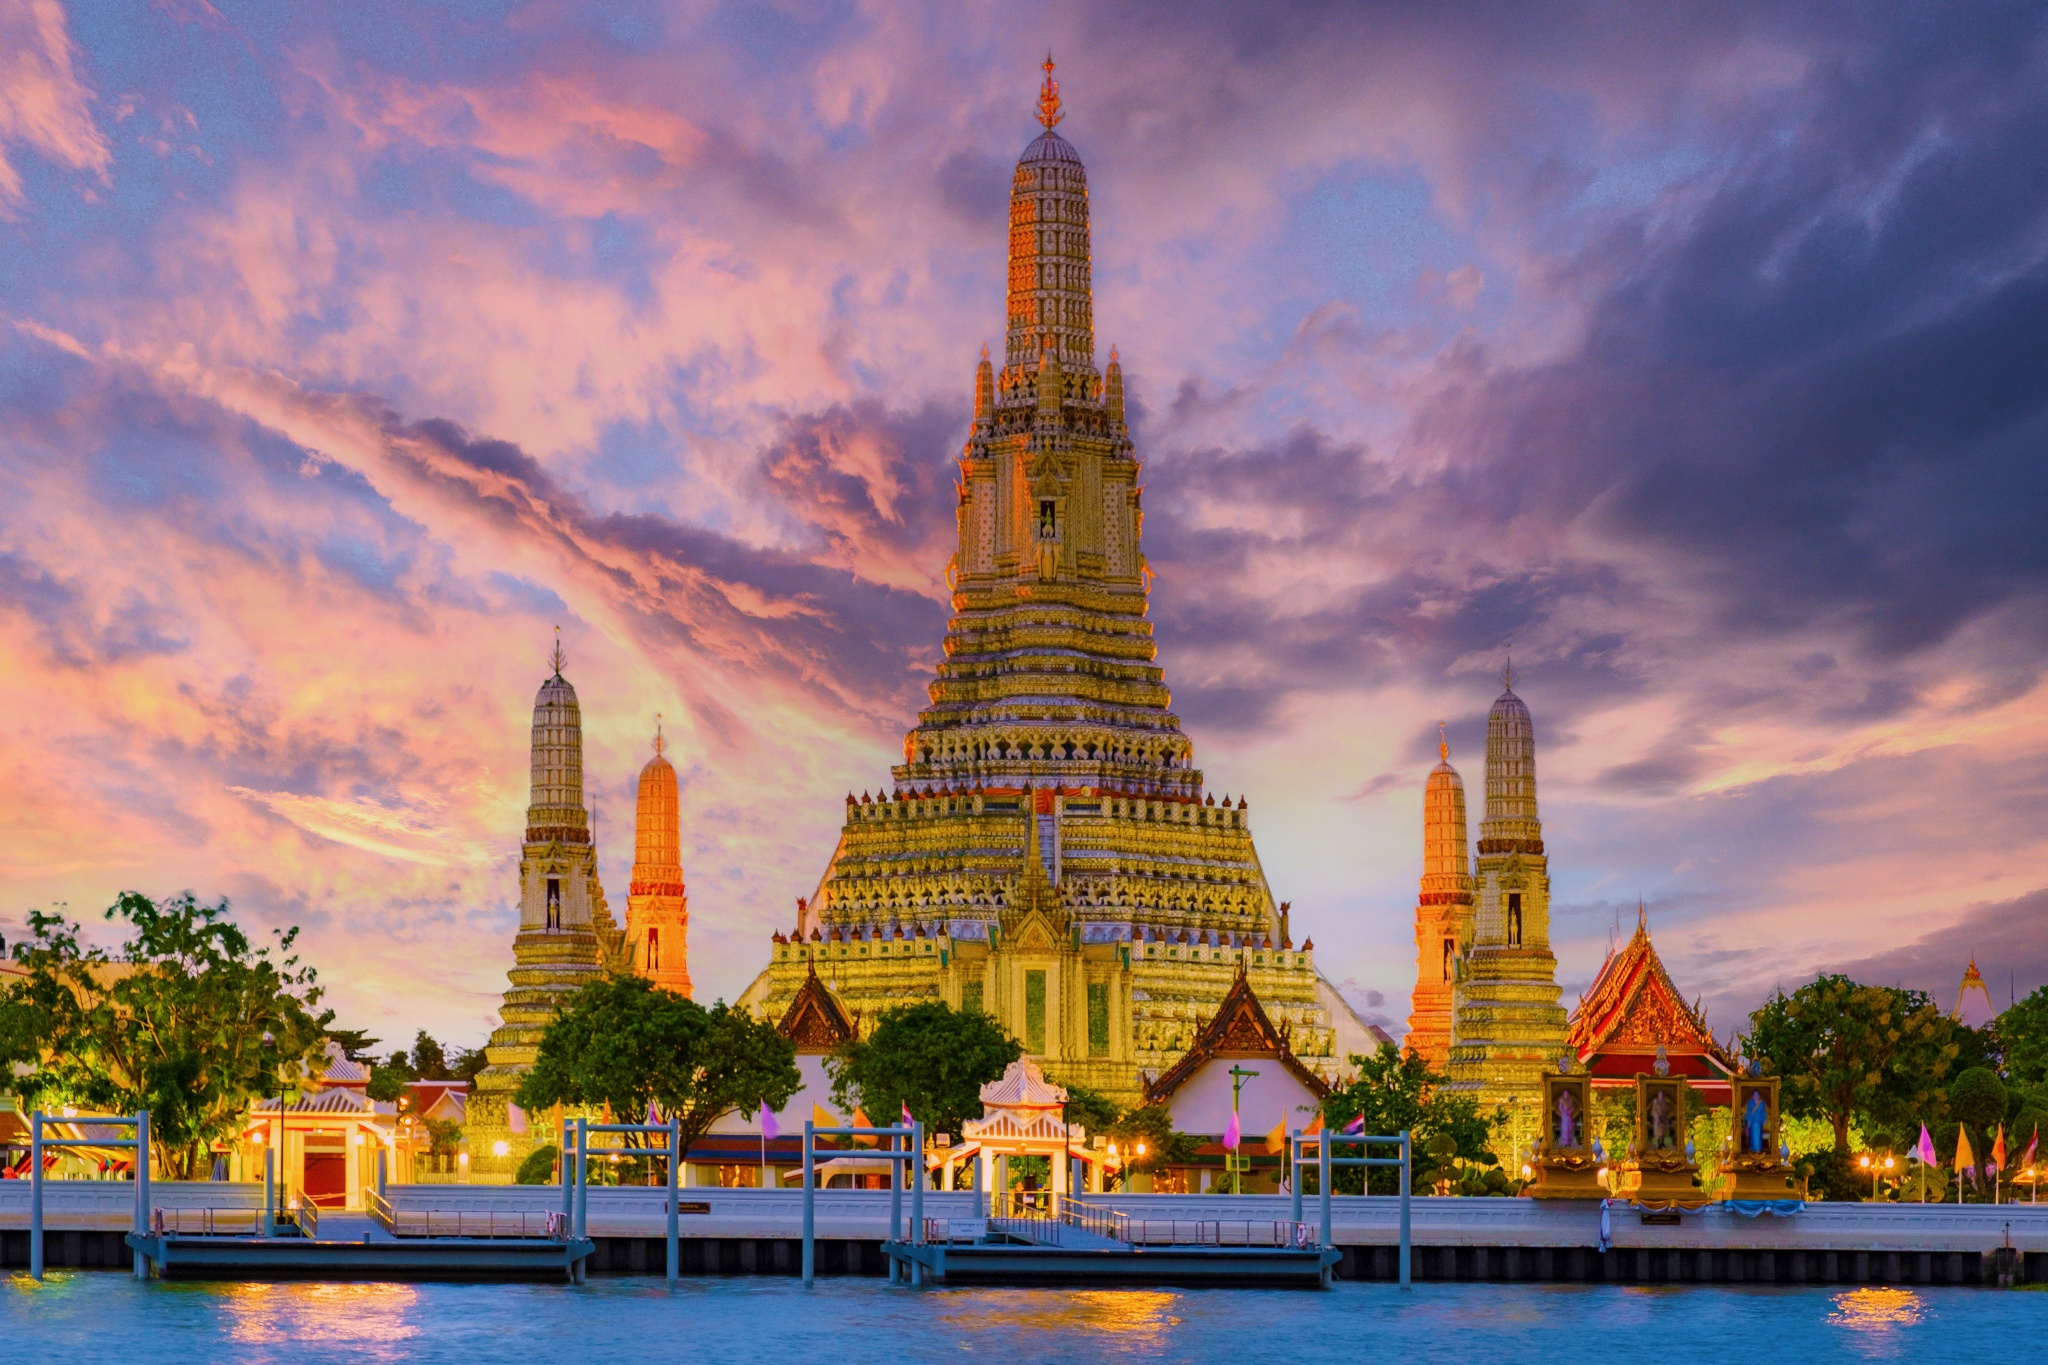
98, 1316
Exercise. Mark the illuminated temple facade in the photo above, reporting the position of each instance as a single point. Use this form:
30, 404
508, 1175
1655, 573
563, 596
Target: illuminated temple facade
1443, 911
1507, 1019
1046, 851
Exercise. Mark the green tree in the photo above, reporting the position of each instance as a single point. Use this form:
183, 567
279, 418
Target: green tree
1395, 1091
1151, 1127
1847, 1050
429, 1060
539, 1166
621, 1043
2023, 1039
929, 1056
187, 1020
355, 1043
468, 1064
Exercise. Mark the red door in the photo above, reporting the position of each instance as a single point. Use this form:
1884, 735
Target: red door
326, 1183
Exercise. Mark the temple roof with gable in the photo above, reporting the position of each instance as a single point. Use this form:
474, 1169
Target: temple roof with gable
1022, 1086
1239, 1028
1631, 1010
815, 1020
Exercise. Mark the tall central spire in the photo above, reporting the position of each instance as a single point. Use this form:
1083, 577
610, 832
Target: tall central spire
1052, 311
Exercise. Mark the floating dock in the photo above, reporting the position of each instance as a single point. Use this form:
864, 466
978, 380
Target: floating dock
179, 1257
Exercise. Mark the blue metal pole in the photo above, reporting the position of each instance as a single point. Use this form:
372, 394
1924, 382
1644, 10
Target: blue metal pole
917, 1198
810, 1211
1323, 1181
568, 1181
141, 1191
269, 1223
895, 1197
1407, 1184
675, 1161
35, 1196
1294, 1172
582, 1190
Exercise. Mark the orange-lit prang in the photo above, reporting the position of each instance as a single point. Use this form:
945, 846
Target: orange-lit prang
1442, 909
657, 907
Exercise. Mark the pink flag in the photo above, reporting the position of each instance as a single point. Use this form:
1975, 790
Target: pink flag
769, 1132
1231, 1132
515, 1119
1926, 1149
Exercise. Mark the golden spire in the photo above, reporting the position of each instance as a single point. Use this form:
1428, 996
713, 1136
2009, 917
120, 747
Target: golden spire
1443, 743
1507, 676
657, 734
1049, 98
558, 658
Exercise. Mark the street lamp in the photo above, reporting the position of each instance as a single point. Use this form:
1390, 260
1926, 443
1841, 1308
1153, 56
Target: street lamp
1864, 1162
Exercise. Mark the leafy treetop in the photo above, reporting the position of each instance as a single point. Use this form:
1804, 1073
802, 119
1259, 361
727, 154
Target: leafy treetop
929, 1056
622, 1043
188, 1021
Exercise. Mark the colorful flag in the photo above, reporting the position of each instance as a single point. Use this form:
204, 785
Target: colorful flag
1355, 1127
1924, 1153
1276, 1141
1231, 1132
1315, 1125
1965, 1158
823, 1118
768, 1129
515, 1118
907, 1120
653, 1119
1998, 1149
2028, 1159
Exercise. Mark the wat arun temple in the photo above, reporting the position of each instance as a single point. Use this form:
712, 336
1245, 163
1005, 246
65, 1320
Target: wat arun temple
1047, 852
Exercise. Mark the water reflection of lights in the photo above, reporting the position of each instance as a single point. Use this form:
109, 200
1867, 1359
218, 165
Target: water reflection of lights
323, 1313
1128, 1313
1877, 1310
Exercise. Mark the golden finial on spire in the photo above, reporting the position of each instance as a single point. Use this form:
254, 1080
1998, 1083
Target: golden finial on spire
1443, 743
657, 734
558, 658
1049, 98
1507, 676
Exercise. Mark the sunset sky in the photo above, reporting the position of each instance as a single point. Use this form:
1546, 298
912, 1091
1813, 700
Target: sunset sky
1697, 354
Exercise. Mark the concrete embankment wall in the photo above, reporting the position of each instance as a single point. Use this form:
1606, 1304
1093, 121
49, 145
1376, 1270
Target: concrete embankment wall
757, 1232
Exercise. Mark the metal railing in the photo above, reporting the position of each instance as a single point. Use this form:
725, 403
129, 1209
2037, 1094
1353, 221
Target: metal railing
1212, 1232
306, 1214
211, 1222
477, 1223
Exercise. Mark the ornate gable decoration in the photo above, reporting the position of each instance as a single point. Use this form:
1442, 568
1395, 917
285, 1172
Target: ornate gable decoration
1633, 1005
1239, 1028
815, 1020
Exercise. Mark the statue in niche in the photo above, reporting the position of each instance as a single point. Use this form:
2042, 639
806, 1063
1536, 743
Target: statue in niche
1663, 1132
1567, 1131
1755, 1123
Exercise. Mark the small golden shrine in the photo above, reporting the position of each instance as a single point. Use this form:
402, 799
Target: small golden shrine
1565, 1164
1756, 1164
1658, 1175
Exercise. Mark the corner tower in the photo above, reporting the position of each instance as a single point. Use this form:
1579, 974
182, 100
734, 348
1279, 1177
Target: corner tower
657, 907
1046, 851
1443, 910
566, 932
1508, 1025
